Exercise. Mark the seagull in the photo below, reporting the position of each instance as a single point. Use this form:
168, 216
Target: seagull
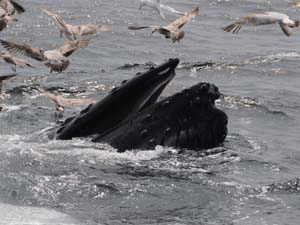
10, 6
5, 18
171, 30
263, 19
156, 5
72, 30
294, 4
4, 79
60, 101
8, 58
55, 59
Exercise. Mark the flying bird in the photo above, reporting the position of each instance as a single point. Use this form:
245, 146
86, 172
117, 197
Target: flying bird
264, 19
60, 101
171, 30
294, 4
157, 6
11, 6
8, 58
54, 59
71, 31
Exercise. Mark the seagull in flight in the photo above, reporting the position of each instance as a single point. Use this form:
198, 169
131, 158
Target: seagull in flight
11, 6
157, 6
264, 19
171, 30
55, 59
61, 102
8, 58
71, 31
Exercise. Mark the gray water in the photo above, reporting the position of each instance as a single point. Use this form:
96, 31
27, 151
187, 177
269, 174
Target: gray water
252, 179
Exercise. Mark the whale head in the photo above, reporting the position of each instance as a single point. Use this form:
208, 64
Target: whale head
131, 97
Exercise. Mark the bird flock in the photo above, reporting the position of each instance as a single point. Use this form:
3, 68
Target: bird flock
79, 36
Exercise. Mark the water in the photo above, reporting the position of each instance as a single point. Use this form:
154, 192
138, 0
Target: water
252, 179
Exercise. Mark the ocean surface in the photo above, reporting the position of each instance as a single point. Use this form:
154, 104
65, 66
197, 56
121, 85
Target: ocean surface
252, 179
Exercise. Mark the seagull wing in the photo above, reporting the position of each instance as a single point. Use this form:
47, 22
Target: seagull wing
17, 6
137, 27
253, 19
182, 20
7, 77
58, 19
90, 29
79, 101
86, 30
286, 30
3, 24
53, 97
24, 49
71, 46
104, 27
61, 101
21, 62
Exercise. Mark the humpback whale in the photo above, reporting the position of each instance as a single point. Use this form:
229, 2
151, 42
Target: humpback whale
130, 117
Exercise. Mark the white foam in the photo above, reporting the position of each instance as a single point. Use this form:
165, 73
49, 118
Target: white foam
21, 215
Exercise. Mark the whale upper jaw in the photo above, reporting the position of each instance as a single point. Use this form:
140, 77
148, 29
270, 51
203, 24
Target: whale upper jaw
131, 97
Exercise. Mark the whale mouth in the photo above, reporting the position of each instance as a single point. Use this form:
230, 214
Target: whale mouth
131, 97
154, 85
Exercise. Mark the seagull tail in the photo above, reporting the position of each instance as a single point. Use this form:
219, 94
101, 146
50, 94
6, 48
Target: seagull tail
178, 36
58, 67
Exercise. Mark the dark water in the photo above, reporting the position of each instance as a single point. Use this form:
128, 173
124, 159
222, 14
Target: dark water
252, 179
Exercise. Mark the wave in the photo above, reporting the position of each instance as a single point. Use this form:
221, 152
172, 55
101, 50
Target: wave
243, 102
274, 58
217, 65
286, 186
144, 66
